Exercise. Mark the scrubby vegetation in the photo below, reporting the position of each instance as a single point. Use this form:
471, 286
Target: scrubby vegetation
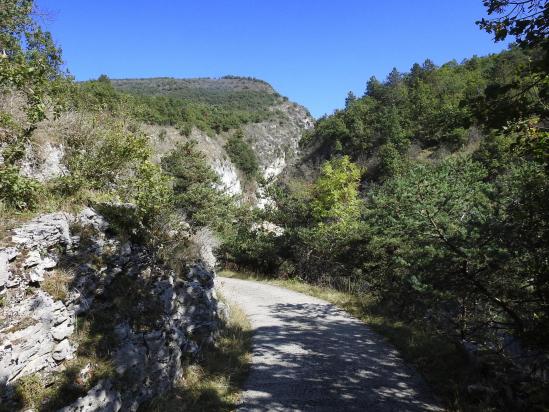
171, 102
19, 192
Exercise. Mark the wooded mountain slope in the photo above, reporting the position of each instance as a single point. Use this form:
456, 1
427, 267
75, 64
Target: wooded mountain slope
429, 195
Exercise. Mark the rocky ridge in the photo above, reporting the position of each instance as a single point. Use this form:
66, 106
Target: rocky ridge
274, 140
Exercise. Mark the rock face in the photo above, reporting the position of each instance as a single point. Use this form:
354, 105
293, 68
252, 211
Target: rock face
206, 242
102, 397
143, 319
228, 176
46, 164
36, 339
276, 142
44, 232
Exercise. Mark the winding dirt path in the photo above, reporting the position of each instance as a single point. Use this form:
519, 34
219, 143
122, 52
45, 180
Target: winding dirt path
309, 355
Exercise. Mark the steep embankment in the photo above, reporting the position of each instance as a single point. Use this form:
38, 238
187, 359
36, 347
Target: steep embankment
104, 306
88, 321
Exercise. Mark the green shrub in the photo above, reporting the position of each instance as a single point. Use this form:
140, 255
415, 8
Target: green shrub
106, 156
336, 191
152, 191
391, 161
67, 185
13, 152
29, 390
242, 155
251, 248
249, 245
194, 185
17, 191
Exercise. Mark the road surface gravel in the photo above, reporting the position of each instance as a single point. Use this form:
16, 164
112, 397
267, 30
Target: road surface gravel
308, 355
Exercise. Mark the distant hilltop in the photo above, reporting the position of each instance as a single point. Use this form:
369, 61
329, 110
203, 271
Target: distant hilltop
170, 86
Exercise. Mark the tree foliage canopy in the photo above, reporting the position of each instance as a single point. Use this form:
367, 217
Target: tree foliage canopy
526, 20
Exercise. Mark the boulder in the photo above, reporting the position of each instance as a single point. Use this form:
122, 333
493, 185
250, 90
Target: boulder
103, 397
63, 350
88, 216
44, 231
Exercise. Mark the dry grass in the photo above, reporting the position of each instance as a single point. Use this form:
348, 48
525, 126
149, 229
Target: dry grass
62, 388
30, 390
56, 283
13, 104
9, 220
22, 324
214, 382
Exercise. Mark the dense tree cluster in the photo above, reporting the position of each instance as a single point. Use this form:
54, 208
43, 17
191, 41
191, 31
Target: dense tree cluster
194, 186
431, 108
449, 227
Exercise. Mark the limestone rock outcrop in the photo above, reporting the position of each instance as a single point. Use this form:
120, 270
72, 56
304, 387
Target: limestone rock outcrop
69, 286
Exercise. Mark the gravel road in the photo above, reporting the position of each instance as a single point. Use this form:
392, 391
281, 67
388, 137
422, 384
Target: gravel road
309, 355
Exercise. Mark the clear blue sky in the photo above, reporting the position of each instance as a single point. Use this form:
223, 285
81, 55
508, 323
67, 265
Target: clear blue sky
313, 51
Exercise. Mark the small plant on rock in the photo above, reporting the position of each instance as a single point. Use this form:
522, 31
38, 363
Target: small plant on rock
57, 284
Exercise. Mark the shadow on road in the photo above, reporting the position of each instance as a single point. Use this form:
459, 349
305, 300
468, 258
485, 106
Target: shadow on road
315, 357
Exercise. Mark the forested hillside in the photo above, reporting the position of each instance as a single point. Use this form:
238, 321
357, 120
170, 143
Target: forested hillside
429, 194
430, 112
213, 105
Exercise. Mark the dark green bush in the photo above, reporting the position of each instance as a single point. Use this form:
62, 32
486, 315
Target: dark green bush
195, 188
16, 191
242, 155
